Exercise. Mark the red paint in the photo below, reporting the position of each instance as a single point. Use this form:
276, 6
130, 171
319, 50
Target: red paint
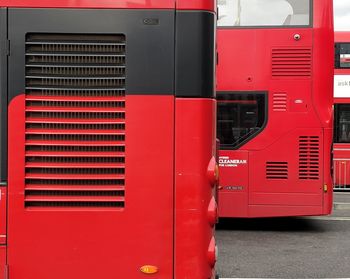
194, 137
169, 210
48, 243
209, 5
341, 151
113, 4
3, 207
3, 267
245, 57
126, 4
80, 238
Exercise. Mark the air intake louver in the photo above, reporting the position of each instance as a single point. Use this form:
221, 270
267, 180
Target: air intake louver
309, 157
280, 102
291, 62
75, 120
276, 170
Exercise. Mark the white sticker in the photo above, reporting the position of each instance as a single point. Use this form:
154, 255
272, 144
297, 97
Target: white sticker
225, 161
342, 86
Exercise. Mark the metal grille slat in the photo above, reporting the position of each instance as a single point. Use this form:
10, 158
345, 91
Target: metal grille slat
309, 157
276, 170
75, 121
292, 62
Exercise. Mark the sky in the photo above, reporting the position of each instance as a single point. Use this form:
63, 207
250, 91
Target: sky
342, 15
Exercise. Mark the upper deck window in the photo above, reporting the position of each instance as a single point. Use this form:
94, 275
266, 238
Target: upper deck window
342, 56
264, 13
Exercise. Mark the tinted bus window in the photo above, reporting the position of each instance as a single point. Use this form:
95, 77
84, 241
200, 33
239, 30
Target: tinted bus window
235, 13
240, 117
342, 56
342, 123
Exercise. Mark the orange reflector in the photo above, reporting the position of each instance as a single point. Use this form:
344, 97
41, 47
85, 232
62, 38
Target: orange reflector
149, 269
325, 188
217, 172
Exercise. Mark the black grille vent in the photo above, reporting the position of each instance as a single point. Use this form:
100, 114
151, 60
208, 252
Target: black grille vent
276, 170
309, 157
75, 120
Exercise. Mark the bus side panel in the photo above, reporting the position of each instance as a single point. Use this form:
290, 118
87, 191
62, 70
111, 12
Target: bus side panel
341, 165
3, 268
323, 86
3, 218
3, 213
262, 211
323, 61
195, 147
328, 183
234, 193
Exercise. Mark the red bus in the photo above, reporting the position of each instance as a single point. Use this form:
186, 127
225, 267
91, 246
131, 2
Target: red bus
275, 107
341, 161
108, 166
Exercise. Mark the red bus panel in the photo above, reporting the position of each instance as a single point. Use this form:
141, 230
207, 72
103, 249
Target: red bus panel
194, 191
103, 118
3, 266
130, 4
74, 228
275, 108
3, 208
341, 150
209, 5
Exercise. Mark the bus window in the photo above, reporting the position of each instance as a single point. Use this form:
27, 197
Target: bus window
240, 118
342, 123
342, 59
236, 13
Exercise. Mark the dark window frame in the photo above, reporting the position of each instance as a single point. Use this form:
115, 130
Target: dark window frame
337, 54
220, 97
310, 25
337, 124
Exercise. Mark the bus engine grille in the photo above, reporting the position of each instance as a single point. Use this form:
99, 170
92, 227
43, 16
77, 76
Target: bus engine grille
75, 120
309, 157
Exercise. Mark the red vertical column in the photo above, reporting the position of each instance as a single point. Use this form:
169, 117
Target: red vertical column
195, 205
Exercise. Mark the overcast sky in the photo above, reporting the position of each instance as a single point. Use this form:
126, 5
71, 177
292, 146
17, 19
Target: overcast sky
342, 14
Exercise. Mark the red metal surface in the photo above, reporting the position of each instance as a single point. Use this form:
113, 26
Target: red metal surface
168, 211
127, 4
245, 189
341, 151
195, 146
233, 198
70, 242
3, 267
3, 208
196, 4
341, 165
342, 36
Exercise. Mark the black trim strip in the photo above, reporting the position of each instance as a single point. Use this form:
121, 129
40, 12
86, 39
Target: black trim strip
4, 49
195, 54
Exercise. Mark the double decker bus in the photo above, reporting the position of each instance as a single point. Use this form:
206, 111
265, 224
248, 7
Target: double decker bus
107, 139
341, 151
275, 107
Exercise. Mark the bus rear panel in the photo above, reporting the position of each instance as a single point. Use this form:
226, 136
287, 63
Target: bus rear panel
104, 103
